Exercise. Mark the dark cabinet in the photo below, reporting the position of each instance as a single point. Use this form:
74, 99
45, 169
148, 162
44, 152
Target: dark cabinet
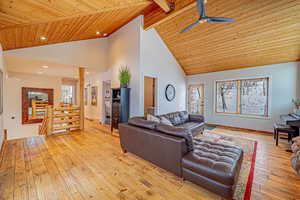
120, 106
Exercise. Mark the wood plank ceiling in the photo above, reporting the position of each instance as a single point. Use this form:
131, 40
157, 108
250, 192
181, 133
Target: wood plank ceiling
265, 32
22, 23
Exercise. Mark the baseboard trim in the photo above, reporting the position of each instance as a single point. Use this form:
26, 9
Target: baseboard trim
240, 129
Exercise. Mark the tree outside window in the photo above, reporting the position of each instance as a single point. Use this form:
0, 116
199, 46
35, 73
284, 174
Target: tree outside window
245, 97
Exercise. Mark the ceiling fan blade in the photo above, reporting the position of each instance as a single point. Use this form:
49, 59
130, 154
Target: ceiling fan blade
189, 27
201, 8
219, 19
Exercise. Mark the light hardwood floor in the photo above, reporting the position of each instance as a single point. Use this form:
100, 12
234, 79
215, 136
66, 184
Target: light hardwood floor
90, 165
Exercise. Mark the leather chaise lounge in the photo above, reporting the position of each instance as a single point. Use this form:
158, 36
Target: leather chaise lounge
213, 166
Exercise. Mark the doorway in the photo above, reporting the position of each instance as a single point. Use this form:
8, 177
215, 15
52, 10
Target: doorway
149, 95
196, 99
107, 99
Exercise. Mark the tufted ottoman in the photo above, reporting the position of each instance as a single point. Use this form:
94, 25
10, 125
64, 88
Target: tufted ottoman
213, 166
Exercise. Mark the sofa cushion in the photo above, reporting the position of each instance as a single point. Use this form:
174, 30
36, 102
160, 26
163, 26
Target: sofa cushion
195, 127
179, 132
153, 118
218, 162
184, 116
141, 122
175, 118
165, 121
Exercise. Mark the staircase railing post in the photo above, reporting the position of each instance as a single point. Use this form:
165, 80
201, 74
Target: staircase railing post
50, 120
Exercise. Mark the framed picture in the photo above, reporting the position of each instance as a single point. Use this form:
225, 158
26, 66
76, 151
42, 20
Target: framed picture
85, 96
1, 92
34, 104
94, 94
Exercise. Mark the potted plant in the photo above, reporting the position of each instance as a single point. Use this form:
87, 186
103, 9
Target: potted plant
124, 76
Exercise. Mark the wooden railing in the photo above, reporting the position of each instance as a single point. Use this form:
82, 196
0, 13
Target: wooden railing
38, 108
60, 119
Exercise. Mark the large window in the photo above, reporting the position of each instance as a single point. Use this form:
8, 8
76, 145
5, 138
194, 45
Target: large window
245, 97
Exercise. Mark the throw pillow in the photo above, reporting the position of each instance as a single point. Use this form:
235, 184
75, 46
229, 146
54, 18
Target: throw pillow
153, 118
165, 121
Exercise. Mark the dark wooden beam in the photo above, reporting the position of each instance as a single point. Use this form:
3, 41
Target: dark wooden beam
166, 5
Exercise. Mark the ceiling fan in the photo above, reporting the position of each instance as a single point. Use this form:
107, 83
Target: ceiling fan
203, 18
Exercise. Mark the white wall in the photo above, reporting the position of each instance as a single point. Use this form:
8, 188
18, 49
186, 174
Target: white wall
13, 102
157, 61
124, 49
2, 68
85, 53
146, 54
284, 79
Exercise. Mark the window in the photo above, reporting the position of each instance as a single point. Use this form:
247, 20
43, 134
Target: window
245, 97
68, 91
196, 99
227, 97
68, 94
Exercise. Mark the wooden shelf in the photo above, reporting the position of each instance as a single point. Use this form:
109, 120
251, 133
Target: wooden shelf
65, 127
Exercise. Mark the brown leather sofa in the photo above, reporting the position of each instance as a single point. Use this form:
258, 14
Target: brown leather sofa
213, 166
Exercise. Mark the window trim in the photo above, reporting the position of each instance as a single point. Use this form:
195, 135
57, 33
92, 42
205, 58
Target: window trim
238, 113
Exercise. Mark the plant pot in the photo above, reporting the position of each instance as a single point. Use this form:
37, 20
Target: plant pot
124, 85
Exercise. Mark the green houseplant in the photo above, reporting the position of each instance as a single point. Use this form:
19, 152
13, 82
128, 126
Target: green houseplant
124, 76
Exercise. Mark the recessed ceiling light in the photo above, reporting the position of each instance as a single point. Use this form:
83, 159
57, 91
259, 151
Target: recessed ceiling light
43, 38
98, 33
105, 34
39, 72
45, 67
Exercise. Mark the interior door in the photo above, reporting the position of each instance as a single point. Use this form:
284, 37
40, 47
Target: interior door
149, 95
196, 99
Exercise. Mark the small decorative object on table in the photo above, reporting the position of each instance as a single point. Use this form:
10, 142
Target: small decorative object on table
296, 103
124, 76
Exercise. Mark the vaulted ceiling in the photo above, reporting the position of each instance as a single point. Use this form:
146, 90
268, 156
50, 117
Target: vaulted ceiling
265, 32
24, 22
